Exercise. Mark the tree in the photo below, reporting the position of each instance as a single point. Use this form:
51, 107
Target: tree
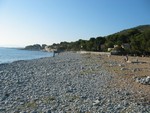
99, 41
109, 44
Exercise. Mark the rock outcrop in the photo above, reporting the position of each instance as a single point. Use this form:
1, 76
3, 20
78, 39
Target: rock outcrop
35, 47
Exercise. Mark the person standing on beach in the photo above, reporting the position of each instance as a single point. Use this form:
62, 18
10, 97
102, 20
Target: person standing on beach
53, 53
126, 58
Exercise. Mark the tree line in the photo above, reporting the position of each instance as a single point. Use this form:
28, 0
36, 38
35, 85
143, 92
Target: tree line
138, 38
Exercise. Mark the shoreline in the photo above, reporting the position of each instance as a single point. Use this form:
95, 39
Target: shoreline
68, 82
9, 55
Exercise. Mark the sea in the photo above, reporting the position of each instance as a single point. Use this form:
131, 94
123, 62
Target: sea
8, 55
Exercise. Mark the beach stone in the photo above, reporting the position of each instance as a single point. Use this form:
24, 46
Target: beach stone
96, 103
119, 106
55, 85
143, 80
34, 112
110, 65
147, 79
21, 103
48, 111
122, 69
1, 72
2, 109
121, 65
133, 70
136, 69
5, 96
84, 97
82, 68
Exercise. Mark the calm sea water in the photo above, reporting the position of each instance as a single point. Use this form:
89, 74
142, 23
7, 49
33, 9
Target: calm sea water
8, 55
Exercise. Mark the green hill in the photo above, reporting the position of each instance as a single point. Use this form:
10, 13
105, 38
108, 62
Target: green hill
137, 38
140, 28
143, 27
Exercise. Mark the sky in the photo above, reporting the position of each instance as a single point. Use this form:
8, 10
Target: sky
27, 22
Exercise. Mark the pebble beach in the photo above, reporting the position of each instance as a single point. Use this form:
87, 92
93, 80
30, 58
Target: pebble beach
68, 83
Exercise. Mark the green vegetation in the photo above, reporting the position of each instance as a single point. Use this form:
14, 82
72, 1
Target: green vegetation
93, 44
130, 41
137, 39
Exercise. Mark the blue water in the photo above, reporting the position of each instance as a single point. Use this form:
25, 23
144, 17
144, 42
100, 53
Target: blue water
8, 55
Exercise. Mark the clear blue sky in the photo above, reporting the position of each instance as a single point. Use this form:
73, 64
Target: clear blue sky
24, 22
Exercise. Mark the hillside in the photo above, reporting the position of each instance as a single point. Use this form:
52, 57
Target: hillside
134, 40
138, 38
140, 28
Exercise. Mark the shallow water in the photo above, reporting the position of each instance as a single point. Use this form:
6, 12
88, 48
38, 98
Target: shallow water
8, 55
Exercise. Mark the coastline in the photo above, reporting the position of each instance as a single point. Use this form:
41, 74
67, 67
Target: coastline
9, 55
68, 82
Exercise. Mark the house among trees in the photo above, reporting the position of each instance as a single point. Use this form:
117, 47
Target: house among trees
117, 50
50, 49
110, 49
